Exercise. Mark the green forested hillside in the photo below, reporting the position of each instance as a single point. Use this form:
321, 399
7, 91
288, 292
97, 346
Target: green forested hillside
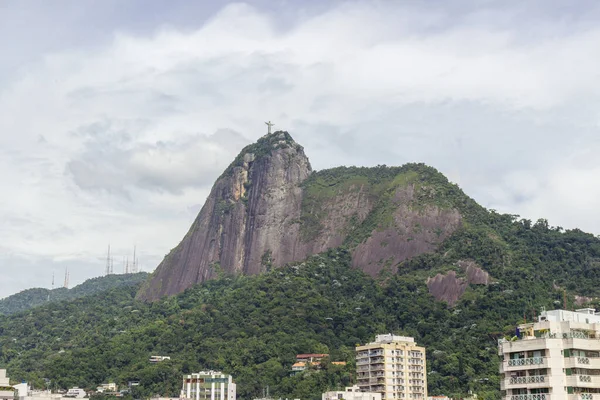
38, 296
252, 327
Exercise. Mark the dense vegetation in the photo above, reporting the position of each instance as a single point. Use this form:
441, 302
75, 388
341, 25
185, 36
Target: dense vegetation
380, 184
38, 296
252, 327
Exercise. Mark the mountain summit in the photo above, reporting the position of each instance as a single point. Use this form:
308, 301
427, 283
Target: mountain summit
269, 208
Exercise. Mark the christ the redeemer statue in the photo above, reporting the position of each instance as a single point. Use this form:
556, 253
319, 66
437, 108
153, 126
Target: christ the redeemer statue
269, 124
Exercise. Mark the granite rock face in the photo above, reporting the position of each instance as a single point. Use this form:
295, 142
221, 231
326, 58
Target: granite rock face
257, 214
450, 288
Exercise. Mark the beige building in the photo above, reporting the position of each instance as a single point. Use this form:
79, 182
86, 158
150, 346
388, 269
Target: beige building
351, 393
393, 366
555, 358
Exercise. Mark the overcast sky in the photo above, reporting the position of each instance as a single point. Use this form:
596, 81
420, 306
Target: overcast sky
117, 116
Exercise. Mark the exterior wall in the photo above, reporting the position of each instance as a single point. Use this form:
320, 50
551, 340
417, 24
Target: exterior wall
351, 393
557, 358
393, 366
6, 391
208, 385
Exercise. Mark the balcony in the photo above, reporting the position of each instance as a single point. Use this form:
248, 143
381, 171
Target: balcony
377, 360
541, 396
584, 396
584, 381
536, 381
583, 362
523, 363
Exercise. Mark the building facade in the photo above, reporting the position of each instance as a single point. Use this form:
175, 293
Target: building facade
555, 358
393, 366
208, 385
351, 393
6, 391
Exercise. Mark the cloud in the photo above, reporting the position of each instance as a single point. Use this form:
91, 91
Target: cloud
113, 162
117, 137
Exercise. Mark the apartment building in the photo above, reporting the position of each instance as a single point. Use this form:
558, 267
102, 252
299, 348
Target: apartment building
393, 366
208, 385
555, 358
6, 391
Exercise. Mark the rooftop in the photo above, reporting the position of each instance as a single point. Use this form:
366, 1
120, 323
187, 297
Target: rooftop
389, 338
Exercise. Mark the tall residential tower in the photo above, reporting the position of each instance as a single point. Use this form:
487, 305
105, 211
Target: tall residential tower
393, 366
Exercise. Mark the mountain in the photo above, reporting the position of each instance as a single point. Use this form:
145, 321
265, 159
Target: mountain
29, 298
401, 250
269, 208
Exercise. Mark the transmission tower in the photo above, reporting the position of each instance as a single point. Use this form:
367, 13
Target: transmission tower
66, 284
107, 270
134, 265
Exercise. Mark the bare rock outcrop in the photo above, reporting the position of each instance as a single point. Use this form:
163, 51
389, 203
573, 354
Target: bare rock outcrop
450, 288
260, 213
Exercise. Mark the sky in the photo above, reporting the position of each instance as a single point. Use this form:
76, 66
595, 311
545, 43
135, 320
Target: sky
116, 117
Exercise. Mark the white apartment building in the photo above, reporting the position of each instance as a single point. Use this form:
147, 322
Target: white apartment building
393, 366
208, 385
555, 358
351, 393
6, 391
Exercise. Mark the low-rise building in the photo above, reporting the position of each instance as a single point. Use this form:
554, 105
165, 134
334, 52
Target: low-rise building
157, 359
76, 393
7, 392
107, 387
304, 361
311, 357
208, 385
351, 393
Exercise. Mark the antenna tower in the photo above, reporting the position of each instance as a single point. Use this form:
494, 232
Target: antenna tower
134, 265
107, 270
66, 284
52, 286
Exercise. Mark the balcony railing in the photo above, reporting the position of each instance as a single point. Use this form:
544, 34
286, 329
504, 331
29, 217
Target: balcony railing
540, 396
525, 361
527, 379
583, 360
585, 378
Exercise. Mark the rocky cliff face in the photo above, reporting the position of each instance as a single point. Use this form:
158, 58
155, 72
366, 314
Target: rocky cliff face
268, 209
450, 288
